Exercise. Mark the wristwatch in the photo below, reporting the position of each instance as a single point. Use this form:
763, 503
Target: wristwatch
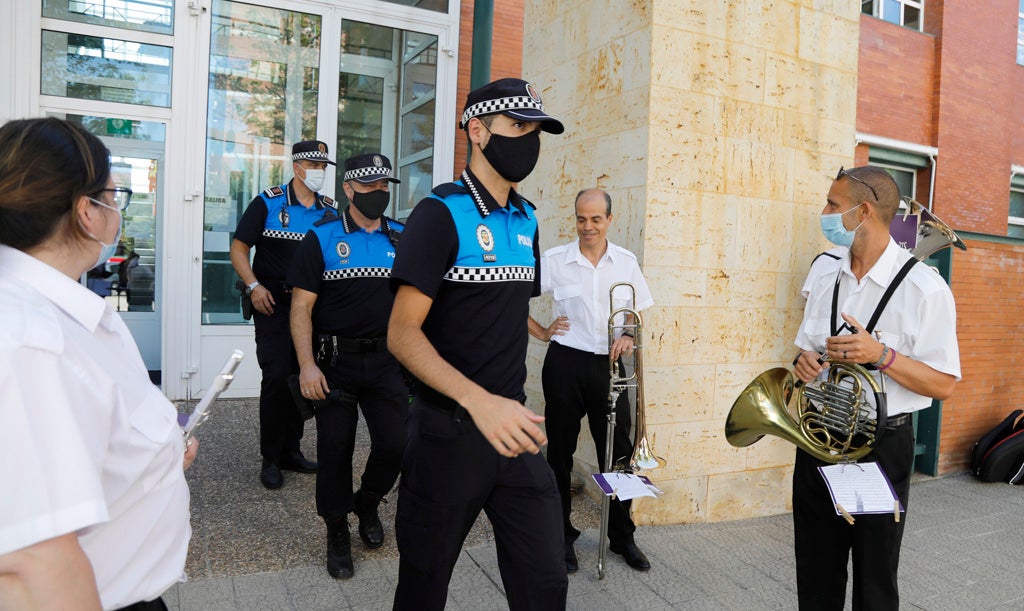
249, 289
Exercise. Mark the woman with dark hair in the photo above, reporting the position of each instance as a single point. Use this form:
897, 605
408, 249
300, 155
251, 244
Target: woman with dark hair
94, 511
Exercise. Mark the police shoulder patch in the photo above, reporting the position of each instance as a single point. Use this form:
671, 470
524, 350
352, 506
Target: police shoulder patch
449, 188
274, 192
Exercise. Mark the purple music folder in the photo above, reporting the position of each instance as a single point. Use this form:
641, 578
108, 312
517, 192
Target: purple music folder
903, 230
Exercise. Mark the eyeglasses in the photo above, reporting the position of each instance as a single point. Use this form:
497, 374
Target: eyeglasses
843, 172
122, 196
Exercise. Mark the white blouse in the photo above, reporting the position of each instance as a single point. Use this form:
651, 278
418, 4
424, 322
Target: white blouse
88, 443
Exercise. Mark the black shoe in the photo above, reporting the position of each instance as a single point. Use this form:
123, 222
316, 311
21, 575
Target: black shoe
339, 550
371, 531
295, 461
632, 554
572, 563
270, 476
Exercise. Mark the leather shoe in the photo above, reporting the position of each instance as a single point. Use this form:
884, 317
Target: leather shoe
339, 550
270, 476
572, 563
371, 531
632, 554
295, 461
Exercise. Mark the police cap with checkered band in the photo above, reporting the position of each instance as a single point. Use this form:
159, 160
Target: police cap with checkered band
369, 167
512, 97
310, 150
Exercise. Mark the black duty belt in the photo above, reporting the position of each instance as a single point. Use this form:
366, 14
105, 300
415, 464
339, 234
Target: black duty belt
894, 422
337, 343
437, 400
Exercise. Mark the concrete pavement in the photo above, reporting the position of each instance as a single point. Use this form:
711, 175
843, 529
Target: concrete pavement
259, 549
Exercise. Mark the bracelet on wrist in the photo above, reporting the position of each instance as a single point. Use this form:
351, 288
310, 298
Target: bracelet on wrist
885, 355
892, 359
254, 284
627, 334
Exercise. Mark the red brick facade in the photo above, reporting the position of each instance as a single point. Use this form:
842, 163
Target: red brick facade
506, 55
957, 87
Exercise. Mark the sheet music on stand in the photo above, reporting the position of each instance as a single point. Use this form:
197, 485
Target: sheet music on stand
860, 488
219, 385
626, 486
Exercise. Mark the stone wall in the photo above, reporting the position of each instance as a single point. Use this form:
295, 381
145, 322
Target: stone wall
716, 127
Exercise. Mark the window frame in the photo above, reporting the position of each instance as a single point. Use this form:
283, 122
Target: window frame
1016, 186
876, 8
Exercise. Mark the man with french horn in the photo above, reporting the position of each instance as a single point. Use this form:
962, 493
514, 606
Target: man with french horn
911, 340
575, 377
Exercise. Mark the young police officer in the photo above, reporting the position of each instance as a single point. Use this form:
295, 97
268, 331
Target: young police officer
340, 291
465, 273
275, 223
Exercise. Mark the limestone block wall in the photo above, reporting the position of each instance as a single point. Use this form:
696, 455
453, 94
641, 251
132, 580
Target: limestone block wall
716, 127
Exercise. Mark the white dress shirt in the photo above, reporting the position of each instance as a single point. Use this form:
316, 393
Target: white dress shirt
581, 292
89, 445
827, 262
919, 321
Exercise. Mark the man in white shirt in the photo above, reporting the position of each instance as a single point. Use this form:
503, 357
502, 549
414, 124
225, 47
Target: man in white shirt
575, 375
913, 345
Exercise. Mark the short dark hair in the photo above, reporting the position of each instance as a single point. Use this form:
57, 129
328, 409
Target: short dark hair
607, 199
886, 195
46, 165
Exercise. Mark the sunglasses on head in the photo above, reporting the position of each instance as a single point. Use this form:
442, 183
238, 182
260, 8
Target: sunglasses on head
843, 172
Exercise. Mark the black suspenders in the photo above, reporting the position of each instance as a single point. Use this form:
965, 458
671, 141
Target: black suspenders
881, 303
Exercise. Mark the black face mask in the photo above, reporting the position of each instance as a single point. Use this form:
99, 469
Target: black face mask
513, 158
373, 204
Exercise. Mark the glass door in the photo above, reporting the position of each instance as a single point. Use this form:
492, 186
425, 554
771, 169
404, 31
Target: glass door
360, 75
263, 91
131, 279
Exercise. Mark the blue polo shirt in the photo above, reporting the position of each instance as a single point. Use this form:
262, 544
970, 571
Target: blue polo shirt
480, 264
348, 268
275, 223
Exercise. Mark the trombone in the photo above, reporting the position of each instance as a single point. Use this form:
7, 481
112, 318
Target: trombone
619, 382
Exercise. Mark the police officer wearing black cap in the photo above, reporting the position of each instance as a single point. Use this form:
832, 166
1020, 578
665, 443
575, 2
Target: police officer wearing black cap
464, 276
340, 308
275, 223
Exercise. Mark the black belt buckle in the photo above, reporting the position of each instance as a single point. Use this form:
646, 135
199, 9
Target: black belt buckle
376, 344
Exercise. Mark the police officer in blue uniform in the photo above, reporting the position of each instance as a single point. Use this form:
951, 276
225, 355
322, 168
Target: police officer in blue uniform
275, 223
464, 275
340, 308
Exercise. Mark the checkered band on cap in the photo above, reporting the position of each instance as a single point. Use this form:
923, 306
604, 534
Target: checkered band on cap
490, 107
310, 155
364, 172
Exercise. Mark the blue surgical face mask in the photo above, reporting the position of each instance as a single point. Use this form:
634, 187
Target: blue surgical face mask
834, 231
106, 250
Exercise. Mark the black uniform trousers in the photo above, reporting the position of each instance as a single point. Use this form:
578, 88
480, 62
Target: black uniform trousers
280, 422
449, 473
575, 385
374, 379
825, 540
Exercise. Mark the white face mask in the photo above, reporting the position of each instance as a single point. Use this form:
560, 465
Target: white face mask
315, 179
106, 250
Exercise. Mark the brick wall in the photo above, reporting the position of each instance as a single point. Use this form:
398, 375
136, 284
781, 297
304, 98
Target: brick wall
506, 57
989, 289
892, 54
976, 115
